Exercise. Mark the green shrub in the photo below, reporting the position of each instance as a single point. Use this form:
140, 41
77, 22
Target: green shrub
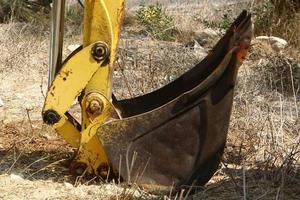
38, 12
222, 24
24, 10
279, 18
264, 15
74, 15
156, 22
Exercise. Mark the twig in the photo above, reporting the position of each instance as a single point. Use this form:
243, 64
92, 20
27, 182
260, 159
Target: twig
21, 153
281, 185
9, 170
29, 119
41, 159
125, 79
189, 190
58, 161
92, 179
293, 87
171, 191
79, 178
262, 196
244, 183
41, 88
120, 167
233, 179
181, 194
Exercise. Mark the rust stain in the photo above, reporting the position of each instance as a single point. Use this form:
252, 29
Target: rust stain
242, 51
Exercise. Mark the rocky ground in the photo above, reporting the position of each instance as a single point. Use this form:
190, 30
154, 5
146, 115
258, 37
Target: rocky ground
262, 159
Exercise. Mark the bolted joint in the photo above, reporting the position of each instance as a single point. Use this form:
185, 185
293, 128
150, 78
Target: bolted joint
51, 117
103, 171
106, 172
95, 107
100, 52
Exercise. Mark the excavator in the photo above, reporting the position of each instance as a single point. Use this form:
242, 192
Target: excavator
173, 137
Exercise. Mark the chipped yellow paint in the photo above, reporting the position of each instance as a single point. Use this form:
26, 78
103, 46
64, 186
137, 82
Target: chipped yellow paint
102, 27
69, 132
102, 23
70, 81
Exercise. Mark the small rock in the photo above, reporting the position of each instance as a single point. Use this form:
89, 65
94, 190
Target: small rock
16, 178
1, 103
68, 185
73, 47
197, 46
49, 137
206, 37
199, 50
278, 44
210, 32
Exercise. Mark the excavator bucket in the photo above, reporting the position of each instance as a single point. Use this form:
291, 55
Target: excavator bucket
173, 137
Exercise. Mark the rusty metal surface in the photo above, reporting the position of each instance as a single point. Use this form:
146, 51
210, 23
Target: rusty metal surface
175, 136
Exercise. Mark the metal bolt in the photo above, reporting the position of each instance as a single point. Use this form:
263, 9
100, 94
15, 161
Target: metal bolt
103, 171
95, 107
100, 52
51, 117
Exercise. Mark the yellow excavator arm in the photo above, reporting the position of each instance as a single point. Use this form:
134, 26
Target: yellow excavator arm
87, 73
174, 136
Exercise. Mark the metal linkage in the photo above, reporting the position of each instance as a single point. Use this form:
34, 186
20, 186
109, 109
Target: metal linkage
85, 73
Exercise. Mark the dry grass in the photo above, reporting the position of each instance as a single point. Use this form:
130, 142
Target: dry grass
264, 141
140, 65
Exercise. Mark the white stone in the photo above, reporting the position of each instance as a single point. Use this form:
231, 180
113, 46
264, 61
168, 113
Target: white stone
210, 32
73, 47
1, 103
68, 185
16, 178
277, 43
199, 50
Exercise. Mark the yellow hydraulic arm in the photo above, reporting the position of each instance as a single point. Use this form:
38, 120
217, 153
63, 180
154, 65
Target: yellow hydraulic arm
85, 75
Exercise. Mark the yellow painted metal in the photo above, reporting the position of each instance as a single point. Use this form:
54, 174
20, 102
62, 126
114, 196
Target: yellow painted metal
69, 132
67, 85
93, 155
70, 81
103, 27
102, 23
91, 151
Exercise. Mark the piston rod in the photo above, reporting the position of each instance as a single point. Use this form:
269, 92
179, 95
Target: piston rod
56, 41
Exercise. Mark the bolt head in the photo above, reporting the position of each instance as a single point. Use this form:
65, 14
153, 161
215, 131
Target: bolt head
100, 52
95, 107
51, 117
